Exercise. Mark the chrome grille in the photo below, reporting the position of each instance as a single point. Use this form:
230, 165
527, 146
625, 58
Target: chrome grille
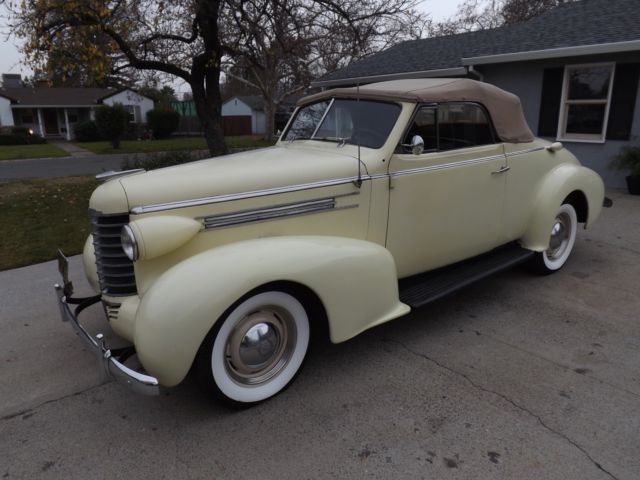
115, 270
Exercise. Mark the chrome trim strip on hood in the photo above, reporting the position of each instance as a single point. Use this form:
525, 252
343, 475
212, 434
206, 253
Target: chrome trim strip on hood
197, 202
159, 207
104, 176
273, 212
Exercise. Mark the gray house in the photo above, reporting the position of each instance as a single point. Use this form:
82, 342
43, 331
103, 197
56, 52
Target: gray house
575, 69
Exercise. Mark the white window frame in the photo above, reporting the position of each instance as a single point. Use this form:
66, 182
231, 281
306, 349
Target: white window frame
565, 102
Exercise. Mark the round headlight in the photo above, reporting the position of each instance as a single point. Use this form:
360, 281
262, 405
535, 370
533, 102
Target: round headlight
129, 243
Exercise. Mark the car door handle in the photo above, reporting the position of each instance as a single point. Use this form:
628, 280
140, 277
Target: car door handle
502, 169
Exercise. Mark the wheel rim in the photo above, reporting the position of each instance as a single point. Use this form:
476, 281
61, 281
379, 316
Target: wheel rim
560, 236
260, 346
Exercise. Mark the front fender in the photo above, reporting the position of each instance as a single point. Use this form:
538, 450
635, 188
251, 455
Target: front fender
355, 280
552, 190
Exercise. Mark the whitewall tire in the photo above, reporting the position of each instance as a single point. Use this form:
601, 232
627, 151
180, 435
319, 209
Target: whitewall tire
256, 350
561, 241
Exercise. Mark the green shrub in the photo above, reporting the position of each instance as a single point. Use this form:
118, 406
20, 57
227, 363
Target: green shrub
163, 122
87, 131
112, 123
137, 131
21, 131
153, 161
628, 159
13, 139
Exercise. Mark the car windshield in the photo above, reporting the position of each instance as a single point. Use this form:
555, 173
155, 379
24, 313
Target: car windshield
364, 123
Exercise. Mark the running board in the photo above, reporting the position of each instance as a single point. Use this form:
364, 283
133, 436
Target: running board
424, 288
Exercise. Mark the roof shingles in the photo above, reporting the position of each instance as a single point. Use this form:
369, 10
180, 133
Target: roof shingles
584, 22
68, 97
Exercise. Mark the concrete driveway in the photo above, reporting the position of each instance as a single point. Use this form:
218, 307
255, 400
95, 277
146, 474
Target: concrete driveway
518, 377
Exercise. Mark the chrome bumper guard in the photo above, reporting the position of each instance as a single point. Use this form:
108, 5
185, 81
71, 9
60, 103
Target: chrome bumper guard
111, 360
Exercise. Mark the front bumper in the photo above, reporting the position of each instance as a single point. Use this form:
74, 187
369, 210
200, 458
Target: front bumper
111, 360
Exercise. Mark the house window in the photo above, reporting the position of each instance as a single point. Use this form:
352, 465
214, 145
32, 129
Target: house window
132, 113
586, 98
27, 118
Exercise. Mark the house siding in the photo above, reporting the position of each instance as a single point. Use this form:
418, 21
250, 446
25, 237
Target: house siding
525, 80
6, 116
128, 97
236, 107
259, 123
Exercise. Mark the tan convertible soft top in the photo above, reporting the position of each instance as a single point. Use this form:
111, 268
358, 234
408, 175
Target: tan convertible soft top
504, 107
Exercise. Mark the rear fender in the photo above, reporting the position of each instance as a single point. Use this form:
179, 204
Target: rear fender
554, 188
354, 279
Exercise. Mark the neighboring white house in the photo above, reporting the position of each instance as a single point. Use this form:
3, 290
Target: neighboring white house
53, 112
244, 115
6, 117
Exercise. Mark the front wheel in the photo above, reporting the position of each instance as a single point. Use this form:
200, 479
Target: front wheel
561, 241
256, 350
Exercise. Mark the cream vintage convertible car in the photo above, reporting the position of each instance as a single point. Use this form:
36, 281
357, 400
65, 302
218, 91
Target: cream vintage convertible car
375, 200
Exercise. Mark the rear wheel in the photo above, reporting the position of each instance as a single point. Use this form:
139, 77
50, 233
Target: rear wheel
561, 241
257, 349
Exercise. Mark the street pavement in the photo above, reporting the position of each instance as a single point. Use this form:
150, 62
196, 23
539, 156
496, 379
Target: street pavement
27, 169
518, 377
82, 162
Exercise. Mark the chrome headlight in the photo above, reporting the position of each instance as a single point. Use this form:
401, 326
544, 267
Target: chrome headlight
129, 243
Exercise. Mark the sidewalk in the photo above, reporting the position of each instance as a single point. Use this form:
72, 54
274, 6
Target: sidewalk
73, 149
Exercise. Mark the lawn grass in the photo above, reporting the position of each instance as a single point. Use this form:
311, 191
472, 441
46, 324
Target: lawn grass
172, 144
15, 152
40, 216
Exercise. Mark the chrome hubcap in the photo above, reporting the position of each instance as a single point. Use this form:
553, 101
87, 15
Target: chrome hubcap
560, 234
260, 346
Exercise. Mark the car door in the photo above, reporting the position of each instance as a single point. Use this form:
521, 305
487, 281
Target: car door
446, 203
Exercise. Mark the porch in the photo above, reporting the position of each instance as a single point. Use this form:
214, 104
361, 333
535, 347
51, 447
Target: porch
51, 122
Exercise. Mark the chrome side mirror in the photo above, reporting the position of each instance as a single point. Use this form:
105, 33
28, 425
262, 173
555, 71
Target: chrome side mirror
416, 145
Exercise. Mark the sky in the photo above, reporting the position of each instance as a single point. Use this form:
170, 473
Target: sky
10, 58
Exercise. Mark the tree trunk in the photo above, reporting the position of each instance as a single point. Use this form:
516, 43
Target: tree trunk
205, 77
270, 117
208, 108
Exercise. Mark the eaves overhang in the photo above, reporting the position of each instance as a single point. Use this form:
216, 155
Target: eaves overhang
23, 105
443, 72
575, 51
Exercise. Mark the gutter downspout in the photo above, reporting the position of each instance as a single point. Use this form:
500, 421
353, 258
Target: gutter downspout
479, 76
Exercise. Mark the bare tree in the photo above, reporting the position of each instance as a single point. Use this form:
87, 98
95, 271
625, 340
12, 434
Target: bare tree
516, 11
276, 45
178, 38
485, 14
279, 46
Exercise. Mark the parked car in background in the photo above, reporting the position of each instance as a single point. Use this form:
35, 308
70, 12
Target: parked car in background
375, 200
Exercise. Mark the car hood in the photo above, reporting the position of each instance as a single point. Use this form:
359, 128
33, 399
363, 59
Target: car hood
273, 167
